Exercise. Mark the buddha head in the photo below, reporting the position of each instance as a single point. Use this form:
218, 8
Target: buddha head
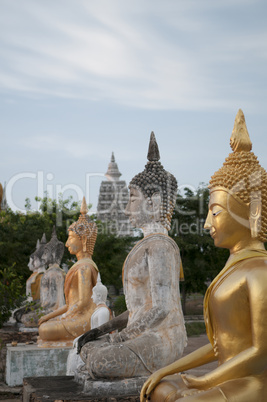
238, 194
36, 258
100, 292
53, 251
82, 234
152, 192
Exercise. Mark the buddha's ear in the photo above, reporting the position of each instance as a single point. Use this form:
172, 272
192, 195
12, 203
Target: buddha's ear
84, 240
156, 202
255, 216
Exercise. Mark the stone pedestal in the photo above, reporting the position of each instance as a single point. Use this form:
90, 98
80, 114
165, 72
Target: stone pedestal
50, 389
30, 361
111, 387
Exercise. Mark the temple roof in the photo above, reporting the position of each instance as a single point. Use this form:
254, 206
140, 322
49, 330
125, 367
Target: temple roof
113, 173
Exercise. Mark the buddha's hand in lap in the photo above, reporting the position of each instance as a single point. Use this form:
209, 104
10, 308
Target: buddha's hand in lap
193, 382
150, 384
42, 319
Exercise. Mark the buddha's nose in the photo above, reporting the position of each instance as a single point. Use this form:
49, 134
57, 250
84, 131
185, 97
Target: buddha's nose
208, 224
127, 209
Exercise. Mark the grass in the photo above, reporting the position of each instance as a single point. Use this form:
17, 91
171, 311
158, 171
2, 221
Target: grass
195, 328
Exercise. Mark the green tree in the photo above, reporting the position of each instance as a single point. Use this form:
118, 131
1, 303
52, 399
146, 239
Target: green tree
200, 258
19, 233
10, 292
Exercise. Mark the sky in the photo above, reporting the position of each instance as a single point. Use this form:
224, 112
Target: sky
81, 78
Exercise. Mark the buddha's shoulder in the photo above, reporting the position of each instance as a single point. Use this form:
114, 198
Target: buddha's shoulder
255, 263
84, 264
255, 269
159, 241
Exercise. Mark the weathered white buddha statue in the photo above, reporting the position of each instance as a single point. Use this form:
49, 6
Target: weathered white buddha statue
235, 305
52, 282
38, 267
155, 332
100, 316
25, 314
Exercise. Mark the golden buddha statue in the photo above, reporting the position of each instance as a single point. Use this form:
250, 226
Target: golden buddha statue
73, 319
235, 305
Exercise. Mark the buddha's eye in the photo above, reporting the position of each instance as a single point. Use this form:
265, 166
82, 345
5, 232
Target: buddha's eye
215, 213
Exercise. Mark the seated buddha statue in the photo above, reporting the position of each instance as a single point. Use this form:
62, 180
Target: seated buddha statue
38, 267
52, 283
74, 318
26, 313
100, 316
235, 304
155, 331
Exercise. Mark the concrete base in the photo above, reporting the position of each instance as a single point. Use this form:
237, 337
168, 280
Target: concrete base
50, 389
112, 387
30, 361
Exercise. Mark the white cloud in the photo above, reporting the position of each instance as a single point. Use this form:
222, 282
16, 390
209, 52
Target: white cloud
142, 54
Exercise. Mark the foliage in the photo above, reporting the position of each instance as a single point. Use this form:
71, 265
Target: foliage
120, 305
10, 292
19, 233
109, 255
200, 258
195, 328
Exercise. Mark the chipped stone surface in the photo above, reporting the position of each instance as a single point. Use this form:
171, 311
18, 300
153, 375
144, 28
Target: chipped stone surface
52, 289
155, 334
115, 387
31, 361
66, 389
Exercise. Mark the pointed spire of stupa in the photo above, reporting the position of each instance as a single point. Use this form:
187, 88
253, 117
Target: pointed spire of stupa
84, 208
113, 173
153, 149
240, 140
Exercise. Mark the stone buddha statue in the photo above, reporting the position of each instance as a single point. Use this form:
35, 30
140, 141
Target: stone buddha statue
36, 265
74, 318
26, 314
52, 283
235, 305
155, 331
100, 316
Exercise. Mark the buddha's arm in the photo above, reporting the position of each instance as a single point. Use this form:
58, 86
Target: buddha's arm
85, 286
54, 314
116, 323
201, 356
253, 360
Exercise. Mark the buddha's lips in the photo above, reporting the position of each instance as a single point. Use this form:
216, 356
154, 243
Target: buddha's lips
212, 233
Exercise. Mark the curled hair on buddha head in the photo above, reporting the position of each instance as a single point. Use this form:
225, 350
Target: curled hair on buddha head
85, 227
242, 175
155, 179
